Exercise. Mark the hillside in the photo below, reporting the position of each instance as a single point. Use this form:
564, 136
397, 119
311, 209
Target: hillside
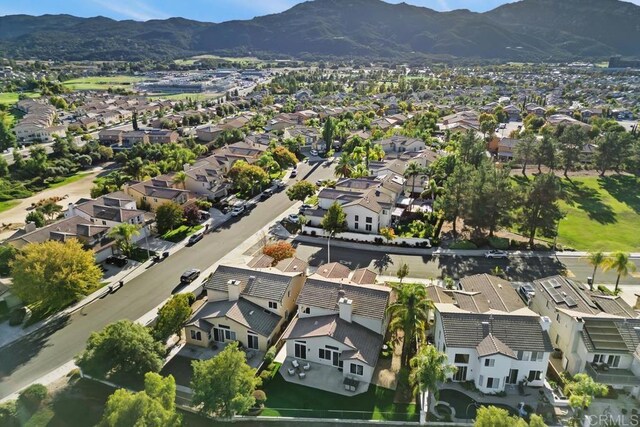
525, 30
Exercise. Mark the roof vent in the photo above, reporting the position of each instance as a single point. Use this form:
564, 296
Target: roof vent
499, 285
251, 313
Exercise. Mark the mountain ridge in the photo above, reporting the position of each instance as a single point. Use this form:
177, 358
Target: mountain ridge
531, 30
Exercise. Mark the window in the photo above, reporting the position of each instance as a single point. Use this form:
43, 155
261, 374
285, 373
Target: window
558, 317
461, 358
252, 340
356, 369
104, 222
355, 226
534, 376
536, 356
196, 335
368, 227
324, 354
489, 362
613, 361
357, 218
557, 338
520, 355
273, 305
289, 293
384, 211
300, 349
369, 220
307, 310
493, 382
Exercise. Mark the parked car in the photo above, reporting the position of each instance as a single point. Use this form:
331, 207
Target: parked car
117, 260
204, 215
527, 291
189, 275
314, 152
266, 194
115, 286
320, 182
304, 207
278, 184
294, 218
159, 257
237, 210
195, 238
496, 254
250, 205
294, 173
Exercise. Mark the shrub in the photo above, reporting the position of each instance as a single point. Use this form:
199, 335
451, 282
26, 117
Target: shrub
265, 376
32, 396
16, 317
605, 290
9, 414
260, 397
463, 244
279, 251
270, 355
499, 243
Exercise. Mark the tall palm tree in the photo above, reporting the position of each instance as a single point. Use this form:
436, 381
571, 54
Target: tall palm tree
180, 179
377, 152
596, 259
344, 166
360, 171
412, 171
410, 314
123, 233
429, 368
619, 261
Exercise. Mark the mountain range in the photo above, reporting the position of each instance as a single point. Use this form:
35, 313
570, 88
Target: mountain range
527, 30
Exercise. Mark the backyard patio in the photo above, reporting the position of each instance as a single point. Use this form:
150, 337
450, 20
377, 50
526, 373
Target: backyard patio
319, 376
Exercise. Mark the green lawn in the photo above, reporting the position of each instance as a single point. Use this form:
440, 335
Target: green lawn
102, 83
69, 179
6, 205
286, 399
9, 98
197, 96
601, 213
180, 233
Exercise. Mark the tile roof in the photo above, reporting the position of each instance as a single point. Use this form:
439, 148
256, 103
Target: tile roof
333, 270
492, 345
498, 293
368, 300
566, 293
364, 276
614, 305
611, 335
260, 261
517, 332
365, 343
439, 295
292, 265
256, 283
244, 312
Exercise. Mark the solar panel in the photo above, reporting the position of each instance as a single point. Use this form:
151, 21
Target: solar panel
570, 301
555, 283
552, 291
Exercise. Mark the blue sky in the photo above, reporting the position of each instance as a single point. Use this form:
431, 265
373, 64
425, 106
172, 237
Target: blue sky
202, 10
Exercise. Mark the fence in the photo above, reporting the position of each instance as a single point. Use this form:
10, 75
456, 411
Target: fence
369, 238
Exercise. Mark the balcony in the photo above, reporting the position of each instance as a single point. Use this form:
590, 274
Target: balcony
612, 376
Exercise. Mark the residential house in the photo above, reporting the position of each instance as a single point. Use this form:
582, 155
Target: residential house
245, 305
162, 136
154, 193
595, 333
311, 137
206, 179
133, 137
401, 144
340, 326
110, 136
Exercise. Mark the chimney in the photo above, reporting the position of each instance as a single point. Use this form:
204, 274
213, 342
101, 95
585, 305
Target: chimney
234, 289
580, 324
346, 308
71, 210
545, 323
485, 329
186, 167
637, 306
29, 227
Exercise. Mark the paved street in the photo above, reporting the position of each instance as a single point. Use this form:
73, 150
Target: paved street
34, 356
520, 269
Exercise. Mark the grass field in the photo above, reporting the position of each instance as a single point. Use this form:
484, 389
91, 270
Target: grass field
601, 213
102, 83
6, 205
70, 179
199, 96
8, 98
286, 399
181, 233
193, 59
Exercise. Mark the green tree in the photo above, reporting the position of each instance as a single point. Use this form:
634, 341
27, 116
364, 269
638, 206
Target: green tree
9, 414
344, 166
413, 171
134, 120
540, 212
491, 416
54, 273
180, 178
471, 149
525, 151
7, 137
172, 316
619, 262
169, 216
301, 190
388, 233
581, 391
492, 198
333, 222
7, 254
50, 209
248, 178
223, 385
123, 233
403, 271
488, 123
429, 368
571, 141
123, 347
328, 132
454, 196
31, 397
284, 157
546, 153
4, 167
409, 315
152, 407
596, 259
37, 218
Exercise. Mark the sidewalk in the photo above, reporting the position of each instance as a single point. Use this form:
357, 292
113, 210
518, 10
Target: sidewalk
236, 256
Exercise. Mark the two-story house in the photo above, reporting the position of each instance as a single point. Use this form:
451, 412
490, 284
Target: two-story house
154, 193
246, 305
339, 328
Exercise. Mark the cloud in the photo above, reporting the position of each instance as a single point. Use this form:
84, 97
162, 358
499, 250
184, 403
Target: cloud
133, 9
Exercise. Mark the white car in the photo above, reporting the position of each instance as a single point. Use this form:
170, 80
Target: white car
314, 152
496, 254
237, 210
294, 218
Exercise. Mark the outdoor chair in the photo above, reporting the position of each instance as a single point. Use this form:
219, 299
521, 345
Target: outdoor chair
295, 363
306, 367
301, 375
291, 371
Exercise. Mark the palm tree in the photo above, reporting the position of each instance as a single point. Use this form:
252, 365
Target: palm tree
433, 188
619, 261
596, 259
377, 152
410, 314
360, 170
123, 233
344, 166
429, 368
180, 178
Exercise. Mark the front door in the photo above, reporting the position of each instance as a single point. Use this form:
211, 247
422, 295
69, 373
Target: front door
336, 359
461, 374
513, 376
218, 335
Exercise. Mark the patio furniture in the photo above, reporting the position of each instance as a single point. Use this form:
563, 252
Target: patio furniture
307, 366
301, 375
291, 371
295, 363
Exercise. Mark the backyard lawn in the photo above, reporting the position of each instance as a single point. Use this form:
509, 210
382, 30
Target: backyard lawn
601, 213
102, 83
292, 400
181, 233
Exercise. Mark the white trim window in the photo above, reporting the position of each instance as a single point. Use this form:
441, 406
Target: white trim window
356, 369
490, 363
196, 335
